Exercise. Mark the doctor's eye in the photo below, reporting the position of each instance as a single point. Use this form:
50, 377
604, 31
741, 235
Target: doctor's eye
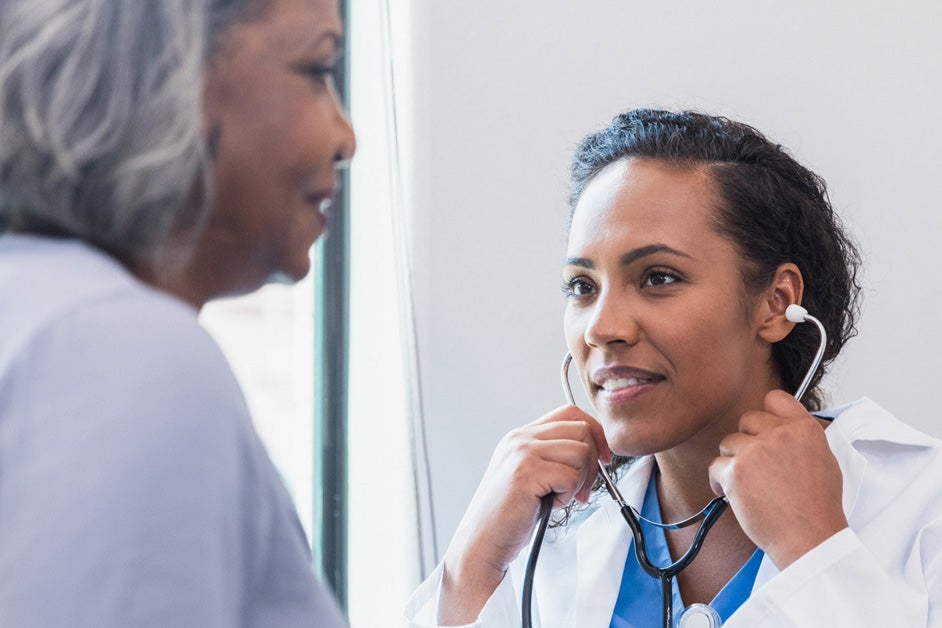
577, 287
658, 277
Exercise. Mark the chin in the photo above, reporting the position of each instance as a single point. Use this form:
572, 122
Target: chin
625, 441
293, 270
288, 276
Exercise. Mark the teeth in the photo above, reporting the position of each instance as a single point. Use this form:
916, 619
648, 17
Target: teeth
623, 382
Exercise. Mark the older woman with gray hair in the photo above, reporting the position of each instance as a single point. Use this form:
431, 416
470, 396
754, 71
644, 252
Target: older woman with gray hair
153, 156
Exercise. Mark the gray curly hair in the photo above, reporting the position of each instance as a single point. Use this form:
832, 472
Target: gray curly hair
101, 132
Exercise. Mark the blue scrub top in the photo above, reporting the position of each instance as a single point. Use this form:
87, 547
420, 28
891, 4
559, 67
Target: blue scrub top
639, 598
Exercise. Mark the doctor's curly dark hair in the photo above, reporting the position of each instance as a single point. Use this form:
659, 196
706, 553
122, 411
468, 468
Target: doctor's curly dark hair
773, 209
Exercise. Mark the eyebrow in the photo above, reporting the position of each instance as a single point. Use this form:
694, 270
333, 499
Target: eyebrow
335, 36
311, 46
631, 256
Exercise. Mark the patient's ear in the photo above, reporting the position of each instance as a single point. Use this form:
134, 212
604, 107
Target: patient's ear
786, 288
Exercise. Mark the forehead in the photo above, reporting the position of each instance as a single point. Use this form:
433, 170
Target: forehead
640, 201
287, 27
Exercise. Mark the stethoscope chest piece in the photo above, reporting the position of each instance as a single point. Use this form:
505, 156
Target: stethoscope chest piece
700, 616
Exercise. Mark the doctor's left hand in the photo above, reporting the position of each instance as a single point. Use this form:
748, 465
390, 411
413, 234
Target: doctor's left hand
781, 479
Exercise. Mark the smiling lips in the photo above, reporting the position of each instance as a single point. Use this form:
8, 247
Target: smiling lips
321, 201
622, 384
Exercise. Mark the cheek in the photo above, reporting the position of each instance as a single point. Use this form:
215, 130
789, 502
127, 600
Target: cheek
269, 141
263, 165
714, 343
573, 329
293, 149
266, 123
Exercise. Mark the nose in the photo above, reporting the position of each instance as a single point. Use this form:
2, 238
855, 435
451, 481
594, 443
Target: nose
346, 138
611, 323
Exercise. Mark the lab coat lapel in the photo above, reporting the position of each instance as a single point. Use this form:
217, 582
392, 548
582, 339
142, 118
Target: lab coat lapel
602, 545
853, 466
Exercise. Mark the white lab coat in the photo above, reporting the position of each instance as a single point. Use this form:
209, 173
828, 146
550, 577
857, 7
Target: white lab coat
884, 570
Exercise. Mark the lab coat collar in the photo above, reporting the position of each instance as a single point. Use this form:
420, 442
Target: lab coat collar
860, 422
856, 422
865, 420
603, 543
853, 466
604, 540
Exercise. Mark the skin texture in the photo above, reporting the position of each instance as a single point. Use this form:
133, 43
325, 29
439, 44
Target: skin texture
279, 131
663, 312
656, 295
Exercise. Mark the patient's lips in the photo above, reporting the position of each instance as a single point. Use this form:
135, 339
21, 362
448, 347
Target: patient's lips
321, 201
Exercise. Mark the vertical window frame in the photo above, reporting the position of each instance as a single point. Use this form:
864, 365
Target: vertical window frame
331, 374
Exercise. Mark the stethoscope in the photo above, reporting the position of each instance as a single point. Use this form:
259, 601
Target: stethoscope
700, 615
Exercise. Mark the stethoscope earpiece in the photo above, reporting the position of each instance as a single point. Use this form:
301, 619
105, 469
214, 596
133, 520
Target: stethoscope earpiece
795, 313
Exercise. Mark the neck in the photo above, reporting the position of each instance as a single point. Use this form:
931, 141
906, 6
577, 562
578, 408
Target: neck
683, 484
180, 285
198, 273
683, 480
683, 490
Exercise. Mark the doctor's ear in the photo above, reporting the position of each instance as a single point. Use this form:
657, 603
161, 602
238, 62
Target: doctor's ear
785, 288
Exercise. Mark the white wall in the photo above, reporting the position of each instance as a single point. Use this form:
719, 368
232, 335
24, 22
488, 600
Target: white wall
501, 93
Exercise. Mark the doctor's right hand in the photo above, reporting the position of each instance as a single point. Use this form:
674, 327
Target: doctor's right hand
558, 454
